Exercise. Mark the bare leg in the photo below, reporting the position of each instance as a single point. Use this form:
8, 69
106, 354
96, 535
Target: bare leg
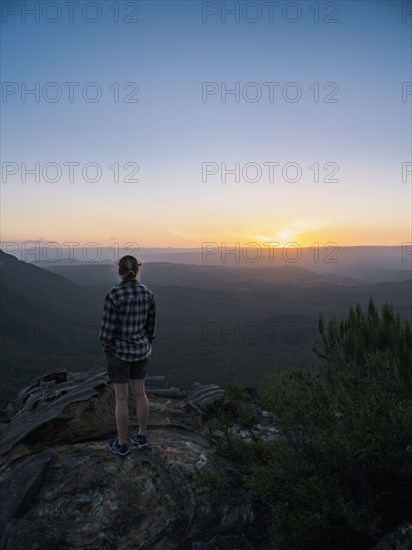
121, 392
142, 405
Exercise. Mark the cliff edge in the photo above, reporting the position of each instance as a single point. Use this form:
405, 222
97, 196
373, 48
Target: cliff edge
61, 488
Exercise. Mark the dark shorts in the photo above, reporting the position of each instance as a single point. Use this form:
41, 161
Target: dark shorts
119, 371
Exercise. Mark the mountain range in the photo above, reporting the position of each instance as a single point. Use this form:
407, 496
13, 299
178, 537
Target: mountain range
215, 323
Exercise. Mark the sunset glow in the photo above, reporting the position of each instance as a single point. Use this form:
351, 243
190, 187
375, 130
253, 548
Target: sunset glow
208, 130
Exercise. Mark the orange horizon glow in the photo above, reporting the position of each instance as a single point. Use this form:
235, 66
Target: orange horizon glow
278, 239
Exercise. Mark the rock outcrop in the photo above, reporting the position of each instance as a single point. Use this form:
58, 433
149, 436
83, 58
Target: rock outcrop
61, 488
400, 539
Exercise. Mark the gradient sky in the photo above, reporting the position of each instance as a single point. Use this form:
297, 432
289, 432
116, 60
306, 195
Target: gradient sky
170, 132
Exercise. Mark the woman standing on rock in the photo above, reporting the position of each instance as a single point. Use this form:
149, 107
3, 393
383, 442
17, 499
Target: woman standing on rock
127, 332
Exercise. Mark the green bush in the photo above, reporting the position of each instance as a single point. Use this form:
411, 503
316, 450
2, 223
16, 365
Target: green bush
237, 406
213, 475
341, 475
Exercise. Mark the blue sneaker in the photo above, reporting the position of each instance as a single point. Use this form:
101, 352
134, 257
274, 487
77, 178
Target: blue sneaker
117, 449
139, 440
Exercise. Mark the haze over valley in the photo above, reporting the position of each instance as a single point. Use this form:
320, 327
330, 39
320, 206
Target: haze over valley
224, 323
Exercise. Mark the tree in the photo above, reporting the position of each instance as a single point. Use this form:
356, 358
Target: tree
340, 475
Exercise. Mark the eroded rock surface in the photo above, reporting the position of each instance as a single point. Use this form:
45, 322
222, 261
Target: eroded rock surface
400, 539
62, 488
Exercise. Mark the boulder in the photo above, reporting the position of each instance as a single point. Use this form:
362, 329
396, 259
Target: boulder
62, 488
18, 486
205, 394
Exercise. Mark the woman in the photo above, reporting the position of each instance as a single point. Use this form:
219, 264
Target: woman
127, 332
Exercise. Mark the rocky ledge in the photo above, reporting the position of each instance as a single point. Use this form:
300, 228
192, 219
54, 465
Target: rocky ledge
61, 487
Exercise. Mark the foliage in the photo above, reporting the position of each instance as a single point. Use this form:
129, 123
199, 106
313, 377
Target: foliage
213, 475
341, 474
236, 407
364, 338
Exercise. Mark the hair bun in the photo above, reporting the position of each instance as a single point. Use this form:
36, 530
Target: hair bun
129, 267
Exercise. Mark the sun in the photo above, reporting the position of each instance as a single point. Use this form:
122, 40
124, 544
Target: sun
284, 235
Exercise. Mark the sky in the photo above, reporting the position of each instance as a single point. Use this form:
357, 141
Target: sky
174, 123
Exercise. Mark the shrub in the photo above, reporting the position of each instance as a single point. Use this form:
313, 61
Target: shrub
342, 473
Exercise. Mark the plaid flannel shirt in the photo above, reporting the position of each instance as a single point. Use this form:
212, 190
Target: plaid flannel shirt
128, 326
